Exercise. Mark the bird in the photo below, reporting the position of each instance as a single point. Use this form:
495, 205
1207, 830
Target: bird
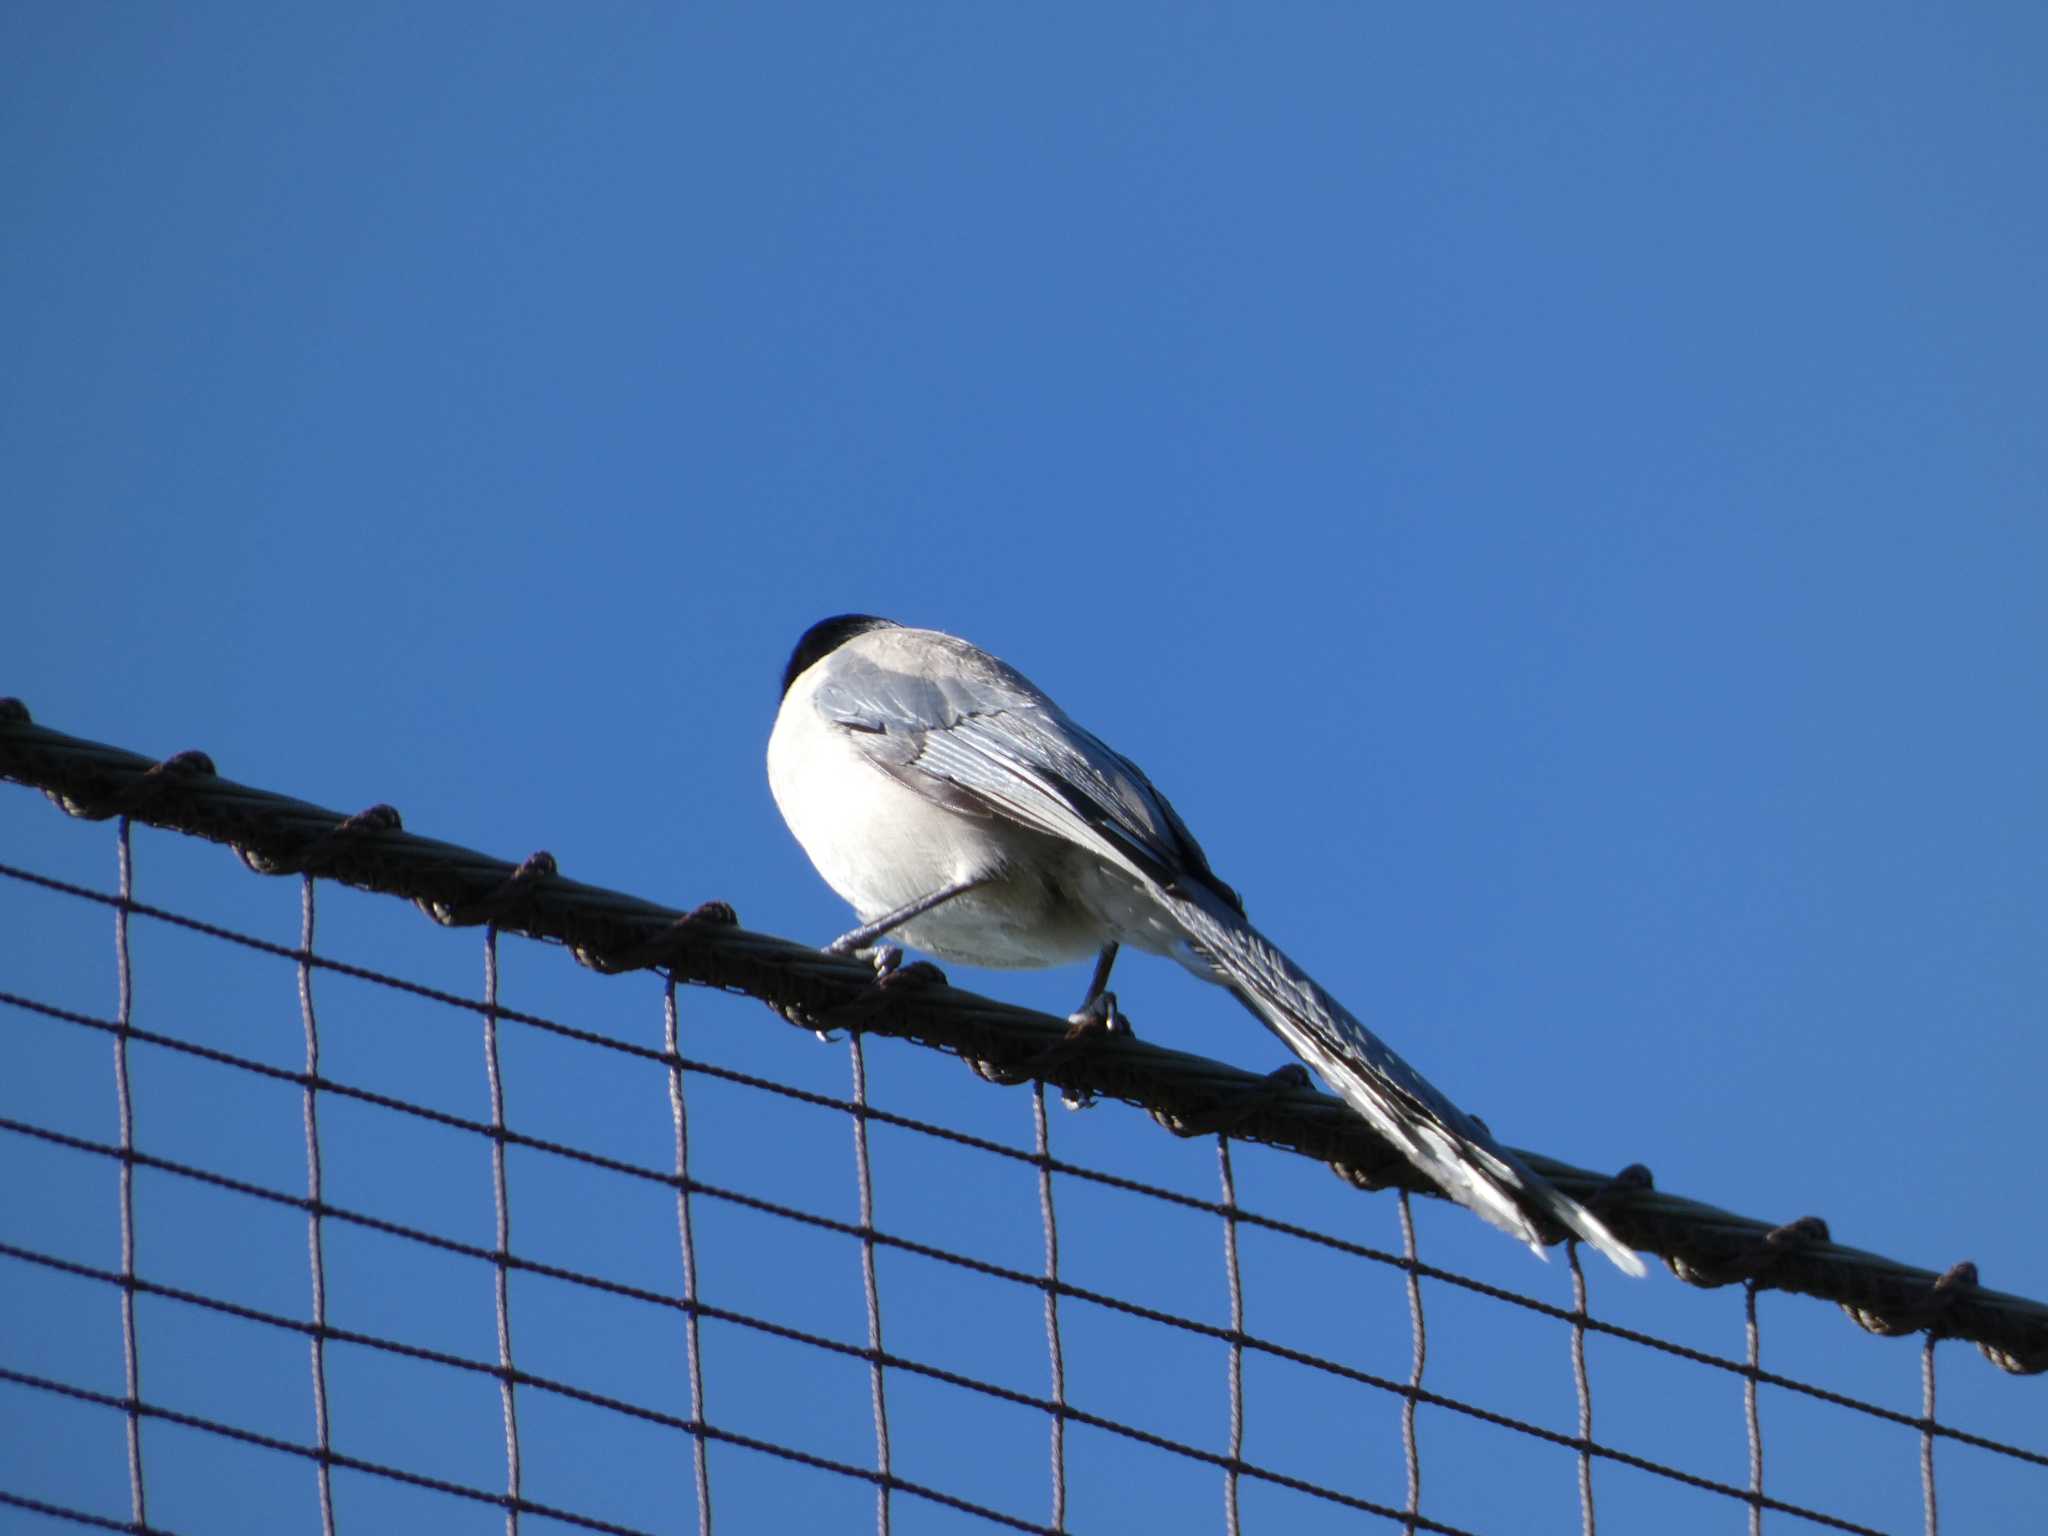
959, 810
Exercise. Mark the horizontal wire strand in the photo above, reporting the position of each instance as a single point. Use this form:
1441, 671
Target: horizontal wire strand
524, 1504
951, 1378
1174, 1197
81, 1516
633, 1410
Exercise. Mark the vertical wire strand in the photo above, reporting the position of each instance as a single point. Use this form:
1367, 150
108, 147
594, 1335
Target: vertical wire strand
1235, 1277
864, 1174
124, 1020
1584, 1387
504, 1214
1043, 1141
315, 1186
672, 1038
1411, 1451
1927, 1435
1753, 1364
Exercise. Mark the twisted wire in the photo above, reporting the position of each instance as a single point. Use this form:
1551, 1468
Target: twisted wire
1933, 1524
1582, 1386
1411, 1453
864, 1177
1042, 1155
678, 1111
502, 1205
315, 1197
1754, 1361
1234, 1278
124, 1094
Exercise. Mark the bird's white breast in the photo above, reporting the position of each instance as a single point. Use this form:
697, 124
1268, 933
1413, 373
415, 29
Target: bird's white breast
843, 809
882, 845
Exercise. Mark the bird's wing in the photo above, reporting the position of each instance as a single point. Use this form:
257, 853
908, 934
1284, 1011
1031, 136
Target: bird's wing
982, 740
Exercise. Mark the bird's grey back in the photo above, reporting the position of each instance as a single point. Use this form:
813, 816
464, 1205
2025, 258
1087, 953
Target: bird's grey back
951, 710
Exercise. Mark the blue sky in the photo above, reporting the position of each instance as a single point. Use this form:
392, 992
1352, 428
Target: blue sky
1556, 497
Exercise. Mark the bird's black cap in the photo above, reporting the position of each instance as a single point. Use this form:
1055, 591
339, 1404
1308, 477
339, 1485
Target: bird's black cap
825, 637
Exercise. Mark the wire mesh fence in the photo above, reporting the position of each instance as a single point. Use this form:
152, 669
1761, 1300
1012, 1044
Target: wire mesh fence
653, 1259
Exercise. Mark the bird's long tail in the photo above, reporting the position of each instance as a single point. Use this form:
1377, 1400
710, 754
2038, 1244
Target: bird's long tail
1397, 1101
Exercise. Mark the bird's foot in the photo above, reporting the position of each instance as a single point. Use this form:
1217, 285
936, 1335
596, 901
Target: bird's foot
1099, 1012
1095, 1020
883, 957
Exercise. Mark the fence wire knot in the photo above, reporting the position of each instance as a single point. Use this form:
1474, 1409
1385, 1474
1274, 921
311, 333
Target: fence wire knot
318, 856
1930, 1313
664, 947
1086, 1032
1618, 1191
1769, 1250
1233, 1109
880, 996
140, 795
509, 902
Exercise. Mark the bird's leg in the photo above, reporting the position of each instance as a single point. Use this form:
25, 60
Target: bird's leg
1098, 1008
1096, 1017
888, 922
1099, 983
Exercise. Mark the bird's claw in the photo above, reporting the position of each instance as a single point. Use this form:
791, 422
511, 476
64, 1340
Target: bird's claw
1096, 1018
1099, 1012
883, 957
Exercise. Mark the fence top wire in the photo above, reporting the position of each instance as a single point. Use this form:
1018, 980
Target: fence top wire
611, 931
